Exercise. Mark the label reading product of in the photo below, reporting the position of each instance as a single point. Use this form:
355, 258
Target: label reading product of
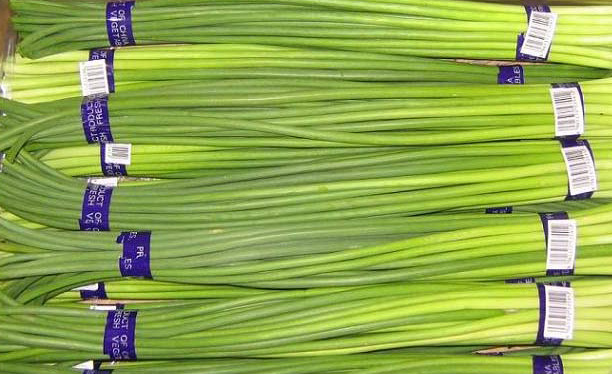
96, 119
581, 171
94, 80
547, 365
119, 23
96, 208
535, 44
568, 105
136, 258
511, 75
119, 335
556, 314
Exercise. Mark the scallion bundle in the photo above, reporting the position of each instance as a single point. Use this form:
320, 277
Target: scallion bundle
446, 29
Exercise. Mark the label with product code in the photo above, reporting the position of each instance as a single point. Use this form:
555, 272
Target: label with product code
547, 365
108, 56
114, 157
96, 119
561, 235
136, 258
581, 171
106, 307
94, 80
535, 44
120, 334
511, 75
119, 23
568, 105
95, 213
108, 182
556, 314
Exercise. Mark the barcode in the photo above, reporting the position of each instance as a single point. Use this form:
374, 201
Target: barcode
116, 153
569, 113
561, 244
108, 182
559, 319
580, 170
106, 307
539, 35
94, 80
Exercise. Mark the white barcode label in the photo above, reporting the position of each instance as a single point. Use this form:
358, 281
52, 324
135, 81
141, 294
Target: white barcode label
559, 319
116, 153
89, 287
569, 112
103, 307
94, 80
87, 365
561, 244
540, 34
108, 182
580, 170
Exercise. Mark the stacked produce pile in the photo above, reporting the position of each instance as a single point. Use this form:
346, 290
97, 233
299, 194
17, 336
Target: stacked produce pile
306, 186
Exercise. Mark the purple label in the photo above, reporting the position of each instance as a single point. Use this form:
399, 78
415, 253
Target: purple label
577, 86
119, 23
511, 75
500, 210
136, 258
97, 372
96, 208
521, 37
541, 340
110, 170
120, 335
545, 217
108, 55
100, 293
547, 365
529, 280
96, 120
569, 143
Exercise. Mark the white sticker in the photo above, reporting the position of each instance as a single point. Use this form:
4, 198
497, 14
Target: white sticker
89, 287
108, 182
116, 153
94, 80
559, 321
103, 307
87, 365
540, 34
580, 170
562, 236
569, 112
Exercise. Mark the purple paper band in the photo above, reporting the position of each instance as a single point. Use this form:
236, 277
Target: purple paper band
96, 119
571, 142
136, 258
98, 294
119, 23
108, 55
120, 335
511, 75
521, 37
547, 365
110, 170
541, 340
500, 210
97, 372
529, 280
545, 217
577, 86
96, 208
